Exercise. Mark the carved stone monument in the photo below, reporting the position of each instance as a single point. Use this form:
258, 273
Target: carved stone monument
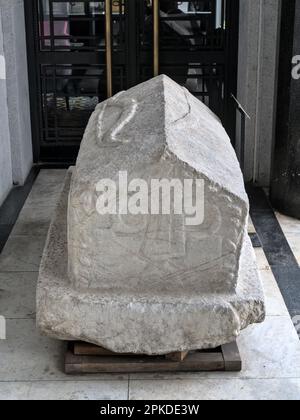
130, 277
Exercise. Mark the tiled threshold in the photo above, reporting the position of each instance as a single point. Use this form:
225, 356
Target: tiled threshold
31, 366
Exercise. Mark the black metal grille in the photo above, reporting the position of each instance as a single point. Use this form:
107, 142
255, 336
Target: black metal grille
198, 45
205, 81
194, 45
78, 25
187, 26
70, 94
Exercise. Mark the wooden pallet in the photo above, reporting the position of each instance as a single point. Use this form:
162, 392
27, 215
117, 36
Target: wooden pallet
87, 358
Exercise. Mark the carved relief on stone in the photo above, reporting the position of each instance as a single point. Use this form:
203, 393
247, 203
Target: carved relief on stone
151, 282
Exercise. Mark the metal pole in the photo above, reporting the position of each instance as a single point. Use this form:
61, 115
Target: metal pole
156, 24
244, 116
108, 40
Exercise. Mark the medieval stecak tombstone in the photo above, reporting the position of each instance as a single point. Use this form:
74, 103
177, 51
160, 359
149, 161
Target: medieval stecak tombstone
152, 283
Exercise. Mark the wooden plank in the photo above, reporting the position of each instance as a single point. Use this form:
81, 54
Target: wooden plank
194, 362
81, 348
232, 357
87, 358
178, 356
85, 349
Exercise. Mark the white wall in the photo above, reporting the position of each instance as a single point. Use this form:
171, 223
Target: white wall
257, 83
5, 152
16, 141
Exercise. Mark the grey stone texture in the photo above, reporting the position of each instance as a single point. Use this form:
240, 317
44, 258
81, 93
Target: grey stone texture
151, 284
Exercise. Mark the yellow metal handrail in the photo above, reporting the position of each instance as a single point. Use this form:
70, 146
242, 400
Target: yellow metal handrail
156, 27
108, 42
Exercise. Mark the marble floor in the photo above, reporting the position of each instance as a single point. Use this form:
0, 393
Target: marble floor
291, 229
31, 366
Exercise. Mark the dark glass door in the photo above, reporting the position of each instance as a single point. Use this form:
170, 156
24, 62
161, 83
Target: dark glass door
67, 50
198, 44
67, 53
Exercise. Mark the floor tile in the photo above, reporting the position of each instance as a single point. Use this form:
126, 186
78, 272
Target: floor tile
291, 229
46, 189
209, 389
288, 280
34, 221
261, 258
17, 295
51, 176
288, 224
270, 350
275, 304
26, 355
43, 196
275, 244
14, 391
61, 390
22, 253
294, 242
251, 228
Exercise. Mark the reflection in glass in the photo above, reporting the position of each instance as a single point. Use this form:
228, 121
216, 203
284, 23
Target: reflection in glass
79, 25
194, 24
188, 28
70, 94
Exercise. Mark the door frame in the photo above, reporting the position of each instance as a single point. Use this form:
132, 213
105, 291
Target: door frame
131, 61
34, 92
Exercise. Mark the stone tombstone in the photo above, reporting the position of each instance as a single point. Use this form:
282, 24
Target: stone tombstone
122, 272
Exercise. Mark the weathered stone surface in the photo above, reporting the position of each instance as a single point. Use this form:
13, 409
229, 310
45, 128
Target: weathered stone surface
151, 283
168, 134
